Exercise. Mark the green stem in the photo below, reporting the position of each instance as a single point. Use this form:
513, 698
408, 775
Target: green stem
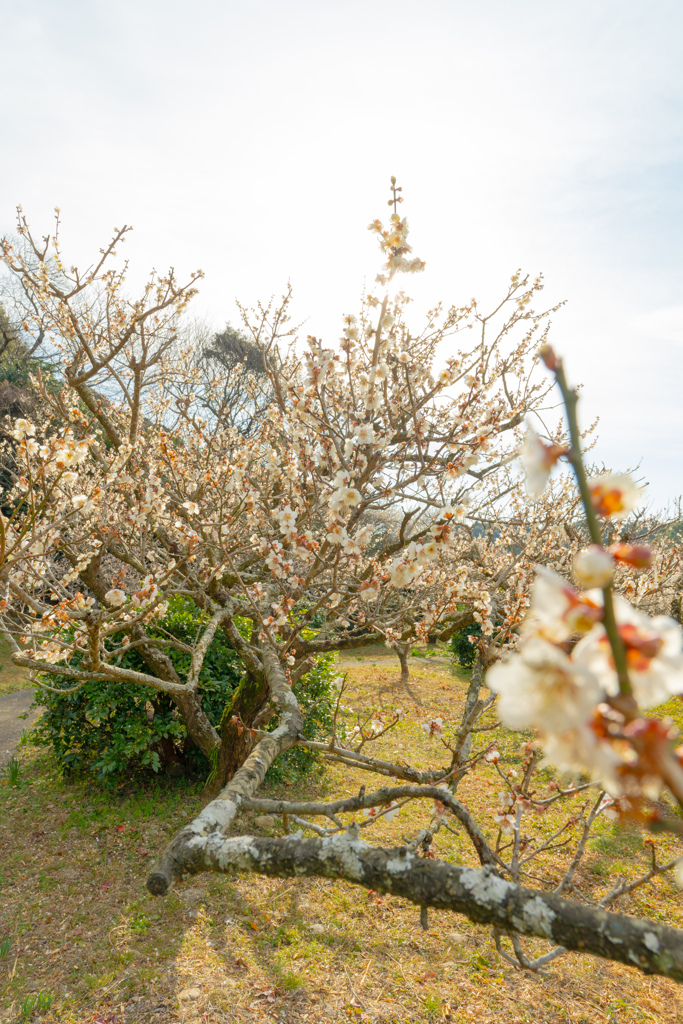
570, 398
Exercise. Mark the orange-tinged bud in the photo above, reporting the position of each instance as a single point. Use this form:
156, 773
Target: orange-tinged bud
641, 646
640, 556
550, 358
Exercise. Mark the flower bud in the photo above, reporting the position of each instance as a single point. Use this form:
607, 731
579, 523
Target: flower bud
550, 358
594, 567
639, 556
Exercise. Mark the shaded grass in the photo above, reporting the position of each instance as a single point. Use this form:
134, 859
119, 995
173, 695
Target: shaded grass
82, 928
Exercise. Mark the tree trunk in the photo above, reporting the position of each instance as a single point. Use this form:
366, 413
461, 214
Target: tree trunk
196, 721
478, 893
402, 652
238, 718
471, 712
171, 758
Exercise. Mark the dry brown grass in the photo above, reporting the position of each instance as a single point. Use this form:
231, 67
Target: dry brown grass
83, 929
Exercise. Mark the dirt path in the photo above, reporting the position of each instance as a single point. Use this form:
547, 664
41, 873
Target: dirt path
11, 726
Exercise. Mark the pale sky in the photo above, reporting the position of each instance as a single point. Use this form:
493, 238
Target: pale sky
256, 139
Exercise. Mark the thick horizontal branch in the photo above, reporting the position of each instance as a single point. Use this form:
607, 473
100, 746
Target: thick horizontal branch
478, 893
337, 643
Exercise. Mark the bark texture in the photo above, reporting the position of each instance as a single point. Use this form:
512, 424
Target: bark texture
237, 719
384, 796
478, 893
402, 652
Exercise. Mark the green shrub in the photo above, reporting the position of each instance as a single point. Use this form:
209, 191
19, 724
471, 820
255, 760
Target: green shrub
115, 729
110, 728
463, 652
317, 695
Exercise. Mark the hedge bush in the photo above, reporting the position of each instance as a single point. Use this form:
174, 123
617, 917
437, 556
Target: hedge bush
114, 729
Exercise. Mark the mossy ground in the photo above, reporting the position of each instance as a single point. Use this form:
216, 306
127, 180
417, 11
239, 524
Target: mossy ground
79, 928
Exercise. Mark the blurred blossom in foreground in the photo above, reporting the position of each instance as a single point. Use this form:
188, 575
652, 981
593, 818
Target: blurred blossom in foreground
594, 567
653, 652
538, 458
561, 693
614, 495
558, 611
638, 556
543, 688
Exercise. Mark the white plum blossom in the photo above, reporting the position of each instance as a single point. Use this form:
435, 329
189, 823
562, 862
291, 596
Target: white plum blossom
402, 573
115, 598
434, 727
542, 687
388, 813
344, 497
351, 496
558, 611
537, 458
286, 518
594, 567
448, 512
614, 495
505, 818
365, 434
653, 653
613, 806
369, 591
23, 428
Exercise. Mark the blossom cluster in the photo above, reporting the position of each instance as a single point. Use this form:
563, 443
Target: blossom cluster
563, 681
393, 242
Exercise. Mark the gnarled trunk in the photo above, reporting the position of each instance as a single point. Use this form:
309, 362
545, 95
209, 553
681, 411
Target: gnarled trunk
237, 720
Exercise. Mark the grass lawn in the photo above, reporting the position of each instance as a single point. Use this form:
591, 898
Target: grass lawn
79, 931
11, 676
